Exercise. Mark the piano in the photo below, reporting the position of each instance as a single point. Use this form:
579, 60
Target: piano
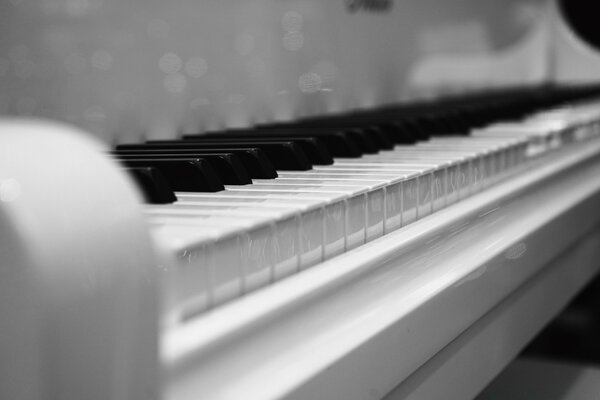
297, 199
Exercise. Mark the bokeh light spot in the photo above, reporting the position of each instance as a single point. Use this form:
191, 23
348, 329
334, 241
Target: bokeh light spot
310, 82
293, 41
292, 21
170, 63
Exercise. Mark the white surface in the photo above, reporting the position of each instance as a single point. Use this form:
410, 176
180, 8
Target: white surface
78, 302
469, 362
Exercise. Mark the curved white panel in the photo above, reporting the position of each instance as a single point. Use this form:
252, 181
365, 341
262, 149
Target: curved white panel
78, 312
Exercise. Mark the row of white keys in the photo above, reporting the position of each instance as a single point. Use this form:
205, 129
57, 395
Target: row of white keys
473, 164
491, 157
245, 241
350, 212
313, 211
359, 227
272, 252
417, 180
450, 172
344, 214
392, 196
211, 255
266, 245
576, 122
252, 235
425, 171
548, 130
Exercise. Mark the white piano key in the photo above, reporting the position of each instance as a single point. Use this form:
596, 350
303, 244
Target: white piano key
187, 282
200, 283
286, 224
420, 181
541, 139
344, 212
241, 261
448, 184
312, 217
375, 202
442, 165
515, 145
394, 182
401, 204
525, 145
488, 159
430, 172
481, 161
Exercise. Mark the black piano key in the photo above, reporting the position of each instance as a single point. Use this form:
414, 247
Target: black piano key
185, 175
314, 148
255, 161
153, 185
285, 156
228, 167
370, 137
417, 131
365, 142
339, 144
399, 133
382, 138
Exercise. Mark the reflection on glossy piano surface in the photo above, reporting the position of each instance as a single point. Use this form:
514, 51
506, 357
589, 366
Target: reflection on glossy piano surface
289, 199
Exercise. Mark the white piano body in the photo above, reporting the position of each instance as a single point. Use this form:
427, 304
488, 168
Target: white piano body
431, 311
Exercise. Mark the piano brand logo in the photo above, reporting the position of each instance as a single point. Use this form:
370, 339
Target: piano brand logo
380, 6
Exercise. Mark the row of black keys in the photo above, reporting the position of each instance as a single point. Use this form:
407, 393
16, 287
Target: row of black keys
204, 163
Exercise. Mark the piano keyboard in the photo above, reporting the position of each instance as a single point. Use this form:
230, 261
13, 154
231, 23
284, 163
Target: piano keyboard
249, 208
